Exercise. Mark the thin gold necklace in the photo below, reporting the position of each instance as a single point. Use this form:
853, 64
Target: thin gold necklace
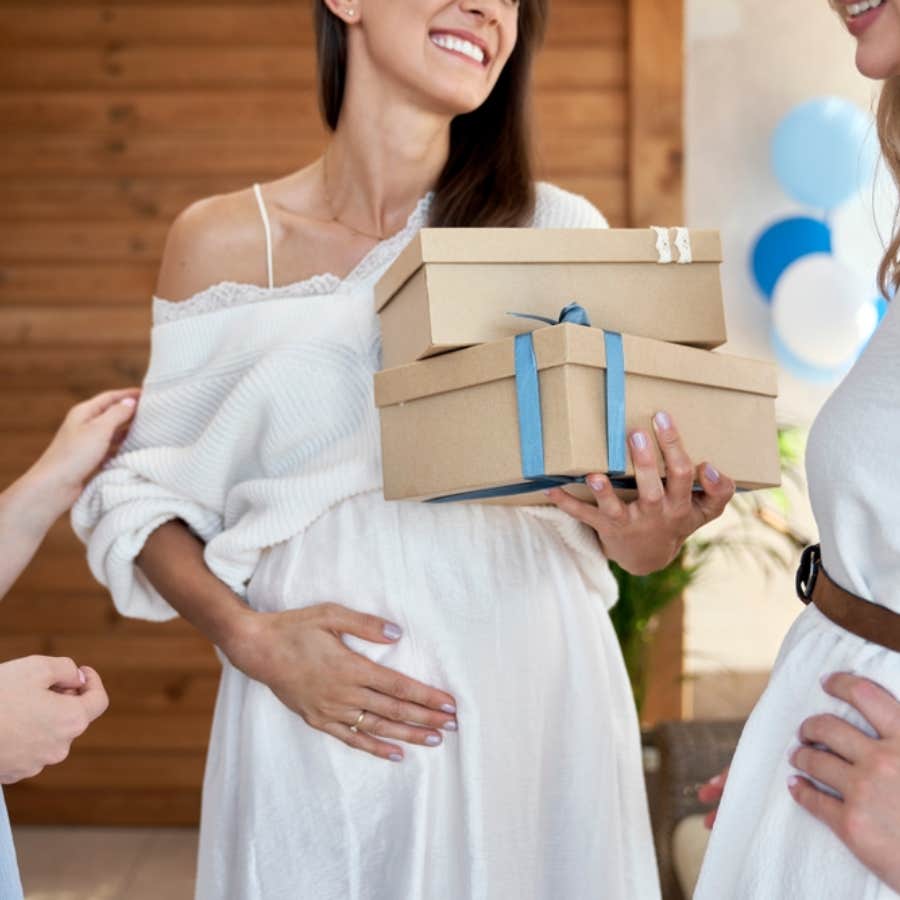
334, 218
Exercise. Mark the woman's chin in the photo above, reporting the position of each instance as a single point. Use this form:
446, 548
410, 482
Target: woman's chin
456, 103
877, 63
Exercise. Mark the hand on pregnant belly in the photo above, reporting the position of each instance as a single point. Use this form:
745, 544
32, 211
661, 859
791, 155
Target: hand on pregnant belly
864, 770
302, 658
646, 535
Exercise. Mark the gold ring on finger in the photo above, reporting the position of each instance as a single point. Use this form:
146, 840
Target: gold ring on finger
355, 726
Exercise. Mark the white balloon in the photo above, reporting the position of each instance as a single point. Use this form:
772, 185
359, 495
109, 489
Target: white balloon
822, 311
861, 228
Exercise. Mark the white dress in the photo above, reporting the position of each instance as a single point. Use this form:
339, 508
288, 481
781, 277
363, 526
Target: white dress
764, 845
257, 427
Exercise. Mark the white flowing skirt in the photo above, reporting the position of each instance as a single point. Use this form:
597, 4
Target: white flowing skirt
539, 796
764, 846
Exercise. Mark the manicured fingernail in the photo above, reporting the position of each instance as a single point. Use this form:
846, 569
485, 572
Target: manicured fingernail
639, 440
823, 679
547, 492
432, 740
663, 422
449, 708
450, 726
712, 474
793, 781
82, 677
128, 401
716, 781
392, 632
596, 483
396, 757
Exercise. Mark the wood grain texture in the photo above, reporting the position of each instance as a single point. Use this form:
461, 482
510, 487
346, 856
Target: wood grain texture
119, 114
655, 112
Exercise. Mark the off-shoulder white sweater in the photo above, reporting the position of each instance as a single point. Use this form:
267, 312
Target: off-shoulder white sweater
257, 416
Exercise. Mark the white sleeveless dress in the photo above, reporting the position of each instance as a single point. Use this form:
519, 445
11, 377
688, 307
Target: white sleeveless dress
764, 846
540, 795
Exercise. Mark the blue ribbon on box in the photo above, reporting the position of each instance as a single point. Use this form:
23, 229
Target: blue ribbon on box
531, 431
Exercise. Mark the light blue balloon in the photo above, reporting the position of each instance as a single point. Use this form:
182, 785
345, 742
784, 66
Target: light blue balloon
823, 151
801, 369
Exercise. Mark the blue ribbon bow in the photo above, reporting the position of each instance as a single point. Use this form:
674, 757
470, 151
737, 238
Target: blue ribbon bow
531, 431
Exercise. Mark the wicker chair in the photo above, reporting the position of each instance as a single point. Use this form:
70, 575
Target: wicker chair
679, 757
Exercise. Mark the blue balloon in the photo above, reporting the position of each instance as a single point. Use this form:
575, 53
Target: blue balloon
823, 151
784, 243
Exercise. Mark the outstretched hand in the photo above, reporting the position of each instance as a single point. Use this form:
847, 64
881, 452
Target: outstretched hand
90, 434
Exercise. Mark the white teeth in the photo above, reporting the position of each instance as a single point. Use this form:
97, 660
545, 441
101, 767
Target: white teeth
467, 48
856, 9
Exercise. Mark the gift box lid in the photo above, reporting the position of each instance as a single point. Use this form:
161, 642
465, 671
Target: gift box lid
569, 344
537, 245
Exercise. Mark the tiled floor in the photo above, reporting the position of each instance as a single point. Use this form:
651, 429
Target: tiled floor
107, 863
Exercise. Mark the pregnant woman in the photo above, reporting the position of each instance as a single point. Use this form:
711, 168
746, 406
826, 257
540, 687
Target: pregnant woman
764, 844
416, 701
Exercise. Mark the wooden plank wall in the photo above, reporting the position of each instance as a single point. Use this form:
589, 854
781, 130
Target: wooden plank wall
117, 114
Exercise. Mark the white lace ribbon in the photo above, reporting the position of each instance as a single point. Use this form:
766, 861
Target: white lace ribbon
683, 245
664, 245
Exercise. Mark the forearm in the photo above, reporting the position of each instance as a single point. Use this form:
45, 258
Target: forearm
28, 508
172, 560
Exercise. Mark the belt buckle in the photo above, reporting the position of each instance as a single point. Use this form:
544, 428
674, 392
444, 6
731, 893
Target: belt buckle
808, 572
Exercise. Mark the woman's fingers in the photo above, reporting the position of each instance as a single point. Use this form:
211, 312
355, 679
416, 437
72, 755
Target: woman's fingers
101, 403
679, 468
712, 790
718, 489
711, 793
578, 509
94, 699
393, 684
342, 620
879, 708
825, 767
114, 419
359, 740
402, 711
612, 510
379, 727
646, 472
59, 672
837, 735
824, 807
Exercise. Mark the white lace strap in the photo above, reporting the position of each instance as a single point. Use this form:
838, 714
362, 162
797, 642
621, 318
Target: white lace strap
663, 246
265, 218
683, 245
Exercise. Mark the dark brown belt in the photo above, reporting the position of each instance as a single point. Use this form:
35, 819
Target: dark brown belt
860, 617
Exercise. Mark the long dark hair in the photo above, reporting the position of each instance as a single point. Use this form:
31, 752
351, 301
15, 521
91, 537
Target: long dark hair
488, 178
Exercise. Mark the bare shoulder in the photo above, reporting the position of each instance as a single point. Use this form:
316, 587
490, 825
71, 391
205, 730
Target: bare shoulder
219, 238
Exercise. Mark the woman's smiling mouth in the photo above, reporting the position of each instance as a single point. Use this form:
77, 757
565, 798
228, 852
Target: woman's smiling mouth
465, 47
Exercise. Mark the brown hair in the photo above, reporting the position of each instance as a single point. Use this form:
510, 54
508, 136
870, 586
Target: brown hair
488, 179
888, 118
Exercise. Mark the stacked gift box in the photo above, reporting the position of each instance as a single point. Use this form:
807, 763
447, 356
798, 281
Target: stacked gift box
519, 358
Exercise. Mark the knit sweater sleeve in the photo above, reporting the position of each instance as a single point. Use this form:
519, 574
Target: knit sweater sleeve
253, 420
120, 509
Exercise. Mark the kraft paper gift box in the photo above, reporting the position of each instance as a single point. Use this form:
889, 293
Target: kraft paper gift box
451, 287
510, 416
